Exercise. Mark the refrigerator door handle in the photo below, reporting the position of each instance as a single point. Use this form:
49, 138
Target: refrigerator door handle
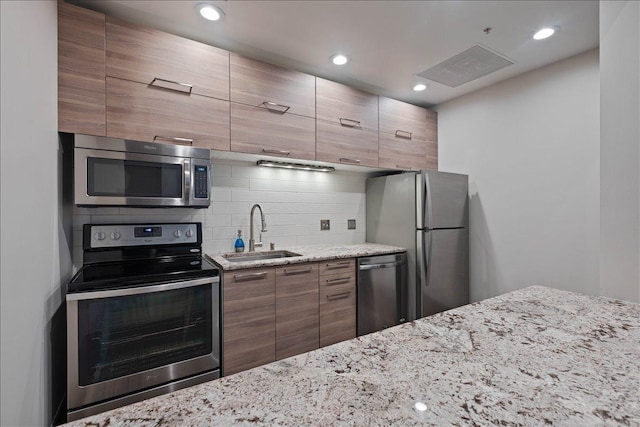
423, 258
428, 211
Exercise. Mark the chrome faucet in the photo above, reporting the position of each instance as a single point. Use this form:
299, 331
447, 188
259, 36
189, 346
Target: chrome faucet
252, 242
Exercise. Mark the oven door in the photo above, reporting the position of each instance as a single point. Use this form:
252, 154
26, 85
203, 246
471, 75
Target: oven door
127, 340
118, 178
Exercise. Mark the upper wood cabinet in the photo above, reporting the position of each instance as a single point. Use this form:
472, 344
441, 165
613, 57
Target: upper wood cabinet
346, 125
432, 140
81, 70
272, 88
255, 130
147, 113
297, 315
249, 336
157, 58
272, 110
403, 135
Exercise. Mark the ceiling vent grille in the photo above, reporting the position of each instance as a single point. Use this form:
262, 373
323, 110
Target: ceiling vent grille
469, 65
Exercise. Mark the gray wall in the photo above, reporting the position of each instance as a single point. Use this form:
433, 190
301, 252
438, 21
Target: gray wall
35, 251
619, 149
530, 146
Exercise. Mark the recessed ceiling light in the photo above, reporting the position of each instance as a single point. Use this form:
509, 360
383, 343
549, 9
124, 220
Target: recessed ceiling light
545, 33
210, 12
339, 59
419, 87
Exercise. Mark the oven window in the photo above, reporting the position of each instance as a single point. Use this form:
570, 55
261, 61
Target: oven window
128, 178
128, 334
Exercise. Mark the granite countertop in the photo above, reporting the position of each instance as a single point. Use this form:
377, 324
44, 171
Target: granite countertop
309, 253
531, 357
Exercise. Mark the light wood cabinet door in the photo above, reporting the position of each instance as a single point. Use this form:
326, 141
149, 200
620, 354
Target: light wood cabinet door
249, 319
153, 57
81, 70
403, 135
346, 124
146, 113
257, 83
337, 301
297, 312
256, 130
432, 140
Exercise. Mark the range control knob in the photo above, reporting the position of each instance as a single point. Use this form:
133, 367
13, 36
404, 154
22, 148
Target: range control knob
177, 233
189, 233
115, 235
100, 235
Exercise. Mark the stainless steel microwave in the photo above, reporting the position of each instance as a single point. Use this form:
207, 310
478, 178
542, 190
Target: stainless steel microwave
117, 172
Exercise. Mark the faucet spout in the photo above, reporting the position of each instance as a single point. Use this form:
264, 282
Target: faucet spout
252, 242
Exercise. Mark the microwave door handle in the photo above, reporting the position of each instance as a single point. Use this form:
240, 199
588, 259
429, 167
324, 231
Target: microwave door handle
187, 196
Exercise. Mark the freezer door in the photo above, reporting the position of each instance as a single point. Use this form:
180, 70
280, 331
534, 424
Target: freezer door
443, 199
443, 269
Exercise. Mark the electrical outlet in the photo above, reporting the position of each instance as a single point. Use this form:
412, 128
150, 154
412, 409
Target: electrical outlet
325, 224
351, 224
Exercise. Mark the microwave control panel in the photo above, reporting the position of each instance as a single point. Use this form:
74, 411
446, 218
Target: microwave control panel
201, 182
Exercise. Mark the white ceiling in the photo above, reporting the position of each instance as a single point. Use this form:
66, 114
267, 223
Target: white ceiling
389, 42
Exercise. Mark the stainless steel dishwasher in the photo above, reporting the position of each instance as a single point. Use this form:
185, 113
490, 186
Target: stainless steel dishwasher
382, 292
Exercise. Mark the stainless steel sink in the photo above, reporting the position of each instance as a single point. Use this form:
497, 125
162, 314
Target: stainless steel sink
257, 256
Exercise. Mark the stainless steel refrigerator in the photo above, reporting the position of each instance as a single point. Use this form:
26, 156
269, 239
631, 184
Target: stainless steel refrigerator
426, 213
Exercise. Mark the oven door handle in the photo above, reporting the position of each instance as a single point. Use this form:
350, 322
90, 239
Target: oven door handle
142, 289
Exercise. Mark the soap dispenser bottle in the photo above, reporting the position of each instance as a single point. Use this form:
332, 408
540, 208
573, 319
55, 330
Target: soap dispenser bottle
239, 245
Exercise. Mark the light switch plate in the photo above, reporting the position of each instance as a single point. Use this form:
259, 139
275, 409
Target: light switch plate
351, 224
325, 224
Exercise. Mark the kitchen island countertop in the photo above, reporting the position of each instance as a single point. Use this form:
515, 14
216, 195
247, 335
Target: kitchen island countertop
530, 357
310, 253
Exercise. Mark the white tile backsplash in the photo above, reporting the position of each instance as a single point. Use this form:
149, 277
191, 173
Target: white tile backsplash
294, 202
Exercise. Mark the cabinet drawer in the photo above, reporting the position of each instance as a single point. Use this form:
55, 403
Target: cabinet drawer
334, 281
402, 120
396, 153
146, 113
336, 102
257, 83
81, 70
338, 266
337, 314
297, 315
143, 54
257, 130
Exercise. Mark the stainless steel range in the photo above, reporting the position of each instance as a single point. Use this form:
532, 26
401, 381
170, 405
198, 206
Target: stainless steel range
143, 316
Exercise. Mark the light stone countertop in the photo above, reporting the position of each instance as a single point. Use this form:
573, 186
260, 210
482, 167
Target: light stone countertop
532, 357
309, 253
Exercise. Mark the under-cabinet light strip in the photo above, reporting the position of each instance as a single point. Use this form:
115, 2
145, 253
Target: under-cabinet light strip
296, 166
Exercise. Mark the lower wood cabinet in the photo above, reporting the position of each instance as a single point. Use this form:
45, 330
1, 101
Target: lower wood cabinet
278, 312
337, 301
297, 320
249, 319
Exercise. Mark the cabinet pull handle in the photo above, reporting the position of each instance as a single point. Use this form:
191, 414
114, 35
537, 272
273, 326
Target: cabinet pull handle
342, 264
275, 108
350, 123
404, 134
249, 276
341, 295
174, 139
184, 85
280, 152
347, 160
302, 271
337, 281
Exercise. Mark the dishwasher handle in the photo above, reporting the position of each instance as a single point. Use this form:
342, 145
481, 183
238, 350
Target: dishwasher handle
363, 267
